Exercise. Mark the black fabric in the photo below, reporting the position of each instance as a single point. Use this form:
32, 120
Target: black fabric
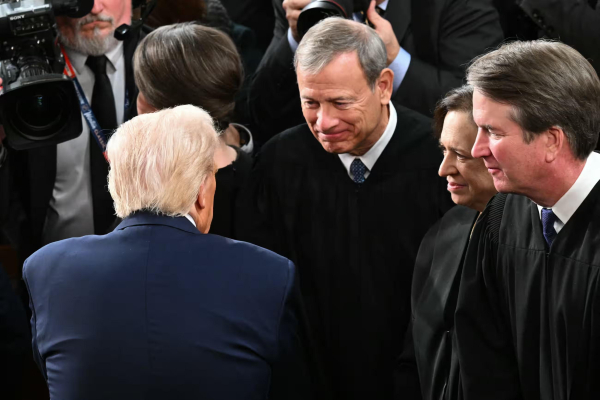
527, 318
435, 289
229, 183
15, 339
576, 23
33, 172
354, 245
103, 106
442, 36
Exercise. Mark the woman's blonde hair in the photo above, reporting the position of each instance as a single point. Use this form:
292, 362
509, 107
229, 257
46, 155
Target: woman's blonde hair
158, 161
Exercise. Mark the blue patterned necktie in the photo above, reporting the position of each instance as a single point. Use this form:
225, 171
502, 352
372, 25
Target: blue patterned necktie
548, 220
358, 170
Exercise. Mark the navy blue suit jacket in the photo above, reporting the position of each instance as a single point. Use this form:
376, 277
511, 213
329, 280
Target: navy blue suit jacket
158, 310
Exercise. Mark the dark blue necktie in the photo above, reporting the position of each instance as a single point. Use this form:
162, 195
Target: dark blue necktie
548, 220
358, 170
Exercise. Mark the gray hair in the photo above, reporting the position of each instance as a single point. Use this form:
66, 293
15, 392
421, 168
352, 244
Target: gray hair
158, 161
334, 36
548, 84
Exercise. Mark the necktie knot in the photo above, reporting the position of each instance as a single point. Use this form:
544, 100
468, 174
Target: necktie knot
358, 170
97, 64
548, 221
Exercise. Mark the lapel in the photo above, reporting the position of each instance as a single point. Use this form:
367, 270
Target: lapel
141, 218
398, 13
41, 170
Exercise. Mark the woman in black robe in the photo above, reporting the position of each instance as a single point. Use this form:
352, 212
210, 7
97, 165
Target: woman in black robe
198, 65
438, 266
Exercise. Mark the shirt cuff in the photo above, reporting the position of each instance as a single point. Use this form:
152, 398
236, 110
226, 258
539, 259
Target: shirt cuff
399, 66
292, 41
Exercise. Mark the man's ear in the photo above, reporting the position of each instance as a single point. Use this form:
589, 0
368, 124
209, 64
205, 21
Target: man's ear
385, 83
201, 199
555, 141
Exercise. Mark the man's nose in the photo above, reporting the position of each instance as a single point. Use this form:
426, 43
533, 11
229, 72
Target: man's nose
98, 7
326, 120
481, 146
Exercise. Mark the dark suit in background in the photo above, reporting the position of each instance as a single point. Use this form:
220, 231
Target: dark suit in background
158, 310
574, 22
442, 36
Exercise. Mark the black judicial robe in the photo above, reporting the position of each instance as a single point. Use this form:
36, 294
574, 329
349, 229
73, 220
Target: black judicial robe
528, 318
435, 288
354, 245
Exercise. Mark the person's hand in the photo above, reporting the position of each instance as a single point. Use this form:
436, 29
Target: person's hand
292, 12
385, 31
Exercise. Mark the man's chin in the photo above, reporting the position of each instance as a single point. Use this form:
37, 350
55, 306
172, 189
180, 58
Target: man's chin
93, 45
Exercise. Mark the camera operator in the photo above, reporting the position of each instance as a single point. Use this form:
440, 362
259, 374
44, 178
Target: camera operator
59, 191
428, 43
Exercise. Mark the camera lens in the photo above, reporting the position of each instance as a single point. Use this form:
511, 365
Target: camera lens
40, 112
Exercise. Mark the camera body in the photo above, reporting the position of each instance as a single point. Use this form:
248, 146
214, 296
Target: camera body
318, 10
38, 104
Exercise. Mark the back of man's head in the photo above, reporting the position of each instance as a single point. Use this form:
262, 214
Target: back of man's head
158, 161
334, 36
548, 84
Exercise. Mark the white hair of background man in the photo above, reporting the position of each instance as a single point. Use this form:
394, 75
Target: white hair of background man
158, 161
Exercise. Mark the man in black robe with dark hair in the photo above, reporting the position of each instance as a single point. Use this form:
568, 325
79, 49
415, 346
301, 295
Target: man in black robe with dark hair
527, 321
348, 197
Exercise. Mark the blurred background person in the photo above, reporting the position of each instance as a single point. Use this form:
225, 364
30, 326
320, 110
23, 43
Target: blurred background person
194, 64
348, 197
59, 191
438, 267
158, 308
573, 22
428, 44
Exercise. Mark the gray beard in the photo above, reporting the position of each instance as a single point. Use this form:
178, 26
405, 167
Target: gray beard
96, 46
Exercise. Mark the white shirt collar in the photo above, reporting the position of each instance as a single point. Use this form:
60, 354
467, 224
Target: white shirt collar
189, 217
371, 156
78, 59
384, 5
570, 202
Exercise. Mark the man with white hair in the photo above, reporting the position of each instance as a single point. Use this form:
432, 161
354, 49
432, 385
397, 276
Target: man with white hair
158, 308
348, 196
61, 189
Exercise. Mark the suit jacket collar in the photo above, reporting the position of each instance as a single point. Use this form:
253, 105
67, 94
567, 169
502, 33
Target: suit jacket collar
148, 218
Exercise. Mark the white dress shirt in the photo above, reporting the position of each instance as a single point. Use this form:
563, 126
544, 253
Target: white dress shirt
70, 212
371, 156
570, 202
189, 218
399, 65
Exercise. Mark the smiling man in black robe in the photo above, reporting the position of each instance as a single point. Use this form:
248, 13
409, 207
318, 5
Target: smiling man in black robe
349, 196
527, 321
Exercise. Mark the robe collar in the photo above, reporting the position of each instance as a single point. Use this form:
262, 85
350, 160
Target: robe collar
371, 156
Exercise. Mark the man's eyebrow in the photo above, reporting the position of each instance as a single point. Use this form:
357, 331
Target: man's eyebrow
340, 98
